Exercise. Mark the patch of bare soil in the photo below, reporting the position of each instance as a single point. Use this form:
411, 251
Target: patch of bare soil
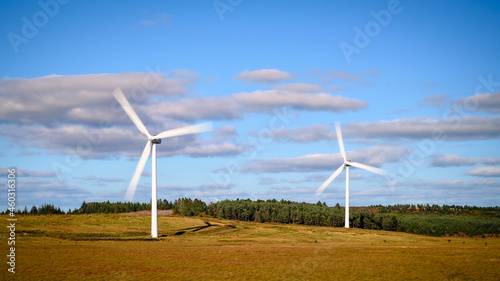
148, 213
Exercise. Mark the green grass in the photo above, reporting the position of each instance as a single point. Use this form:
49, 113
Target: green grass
118, 247
438, 224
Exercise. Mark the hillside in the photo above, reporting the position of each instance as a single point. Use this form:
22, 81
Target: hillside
426, 219
118, 247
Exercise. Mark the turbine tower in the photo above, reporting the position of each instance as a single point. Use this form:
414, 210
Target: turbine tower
346, 164
151, 145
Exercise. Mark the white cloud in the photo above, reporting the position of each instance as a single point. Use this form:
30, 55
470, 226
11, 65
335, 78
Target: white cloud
213, 108
445, 191
77, 139
299, 88
36, 173
287, 190
485, 171
434, 100
37, 191
372, 72
25, 173
374, 156
489, 102
398, 111
28, 153
212, 186
227, 108
110, 142
307, 163
491, 161
311, 178
176, 187
452, 128
320, 178
267, 181
367, 84
222, 193
269, 99
264, 76
81, 98
303, 135
331, 75
450, 184
452, 160
207, 150
101, 179
87, 99
335, 88
225, 133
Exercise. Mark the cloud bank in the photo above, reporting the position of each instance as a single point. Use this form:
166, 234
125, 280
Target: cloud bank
264, 76
373, 156
452, 160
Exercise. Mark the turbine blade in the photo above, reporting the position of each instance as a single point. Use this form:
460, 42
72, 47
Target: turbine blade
205, 127
341, 141
129, 196
330, 179
368, 168
120, 97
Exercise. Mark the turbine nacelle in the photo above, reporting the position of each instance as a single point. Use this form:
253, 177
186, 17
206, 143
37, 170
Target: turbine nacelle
155, 141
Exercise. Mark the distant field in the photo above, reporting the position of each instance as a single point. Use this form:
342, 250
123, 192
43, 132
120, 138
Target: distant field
118, 247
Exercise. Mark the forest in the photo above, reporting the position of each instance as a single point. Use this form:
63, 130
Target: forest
421, 219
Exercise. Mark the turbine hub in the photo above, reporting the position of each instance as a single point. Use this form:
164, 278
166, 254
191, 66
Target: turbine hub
156, 141
347, 162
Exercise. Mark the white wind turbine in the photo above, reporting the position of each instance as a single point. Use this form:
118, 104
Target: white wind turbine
347, 164
152, 142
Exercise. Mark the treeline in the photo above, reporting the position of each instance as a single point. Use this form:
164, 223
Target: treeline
182, 206
278, 211
436, 209
421, 219
189, 207
119, 207
440, 225
430, 222
44, 209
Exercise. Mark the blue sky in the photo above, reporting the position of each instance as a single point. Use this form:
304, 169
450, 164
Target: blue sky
414, 84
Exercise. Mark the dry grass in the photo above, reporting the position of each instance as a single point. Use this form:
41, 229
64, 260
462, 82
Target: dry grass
96, 247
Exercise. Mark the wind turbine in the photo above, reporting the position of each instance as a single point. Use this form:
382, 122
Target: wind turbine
151, 145
346, 164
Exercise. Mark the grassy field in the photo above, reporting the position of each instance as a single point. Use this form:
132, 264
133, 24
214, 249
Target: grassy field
118, 247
